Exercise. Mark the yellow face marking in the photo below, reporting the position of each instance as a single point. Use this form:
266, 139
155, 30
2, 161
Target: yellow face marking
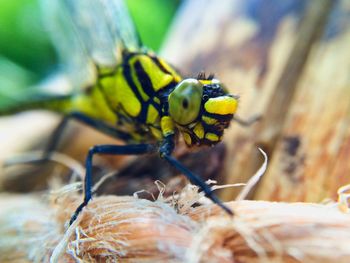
187, 138
211, 137
221, 105
152, 114
209, 120
167, 125
205, 82
199, 130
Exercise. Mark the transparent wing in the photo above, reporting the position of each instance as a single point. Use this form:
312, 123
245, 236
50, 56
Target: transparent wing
88, 33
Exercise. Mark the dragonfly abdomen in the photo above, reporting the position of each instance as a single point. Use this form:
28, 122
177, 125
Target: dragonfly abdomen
60, 104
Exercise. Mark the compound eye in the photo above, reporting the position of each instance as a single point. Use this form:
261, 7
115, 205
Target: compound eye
185, 101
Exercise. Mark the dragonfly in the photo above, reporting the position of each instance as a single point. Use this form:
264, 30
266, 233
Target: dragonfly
124, 90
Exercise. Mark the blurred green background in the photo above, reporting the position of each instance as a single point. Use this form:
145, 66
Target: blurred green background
27, 54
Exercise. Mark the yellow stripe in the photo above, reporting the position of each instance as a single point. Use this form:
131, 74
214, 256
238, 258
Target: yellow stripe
156, 100
121, 93
187, 138
205, 82
165, 65
199, 130
158, 78
221, 105
152, 115
167, 125
211, 137
209, 120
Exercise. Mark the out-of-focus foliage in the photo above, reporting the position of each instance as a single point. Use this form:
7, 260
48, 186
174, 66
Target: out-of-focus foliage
152, 19
23, 37
27, 54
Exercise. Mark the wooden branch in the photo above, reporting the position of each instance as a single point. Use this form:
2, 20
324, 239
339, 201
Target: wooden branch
289, 63
128, 229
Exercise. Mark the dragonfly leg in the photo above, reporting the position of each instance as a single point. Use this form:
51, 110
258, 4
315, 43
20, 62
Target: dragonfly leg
55, 138
100, 126
196, 180
165, 151
58, 132
96, 124
133, 149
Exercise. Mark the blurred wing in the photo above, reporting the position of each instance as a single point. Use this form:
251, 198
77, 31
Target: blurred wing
87, 33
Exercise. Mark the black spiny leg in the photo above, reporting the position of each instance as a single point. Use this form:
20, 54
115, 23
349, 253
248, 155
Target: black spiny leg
133, 149
55, 138
196, 180
94, 123
166, 149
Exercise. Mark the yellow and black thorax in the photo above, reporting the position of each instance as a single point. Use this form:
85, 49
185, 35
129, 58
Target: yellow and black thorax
146, 98
132, 97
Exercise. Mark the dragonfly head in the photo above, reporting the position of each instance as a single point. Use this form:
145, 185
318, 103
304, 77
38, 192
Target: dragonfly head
201, 109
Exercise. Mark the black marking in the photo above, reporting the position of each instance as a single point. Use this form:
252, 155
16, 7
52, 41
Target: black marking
163, 96
213, 90
156, 105
144, 106
219, 117
163, 93
212, 129
160, 65
185, 103
147, 86
144, 79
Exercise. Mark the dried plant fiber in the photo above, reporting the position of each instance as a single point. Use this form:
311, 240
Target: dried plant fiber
128, 229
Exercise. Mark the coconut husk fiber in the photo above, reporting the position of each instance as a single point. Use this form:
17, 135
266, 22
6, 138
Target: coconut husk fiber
34, 228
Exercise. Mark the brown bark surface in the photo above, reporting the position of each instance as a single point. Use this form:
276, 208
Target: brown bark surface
289, 62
